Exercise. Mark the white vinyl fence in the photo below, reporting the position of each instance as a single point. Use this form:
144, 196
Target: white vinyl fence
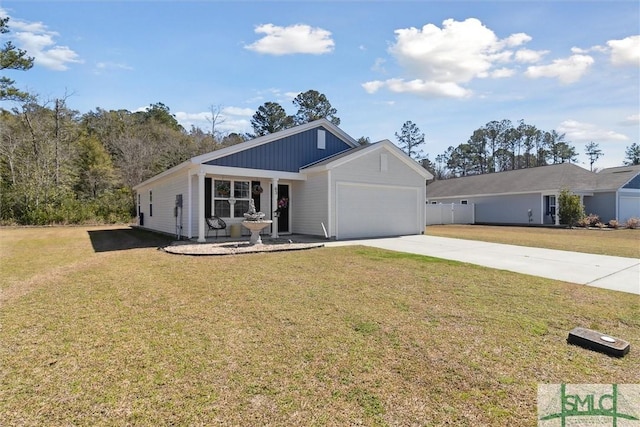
453, 213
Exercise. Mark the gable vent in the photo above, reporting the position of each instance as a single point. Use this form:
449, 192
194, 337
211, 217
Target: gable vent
322, 140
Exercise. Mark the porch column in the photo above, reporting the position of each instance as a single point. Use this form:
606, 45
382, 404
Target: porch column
274, 206
201, 231
557, 196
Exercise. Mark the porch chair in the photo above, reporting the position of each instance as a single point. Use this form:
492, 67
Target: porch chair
215, 223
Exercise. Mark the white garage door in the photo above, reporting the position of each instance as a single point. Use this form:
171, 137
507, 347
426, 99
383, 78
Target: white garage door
376, 210
629, 207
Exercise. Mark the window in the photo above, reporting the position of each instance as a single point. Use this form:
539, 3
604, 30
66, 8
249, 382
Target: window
150, 203
551, 208
231, 198
241, 190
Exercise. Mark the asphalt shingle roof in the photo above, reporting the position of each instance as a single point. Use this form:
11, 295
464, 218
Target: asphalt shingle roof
544, 178
614, 178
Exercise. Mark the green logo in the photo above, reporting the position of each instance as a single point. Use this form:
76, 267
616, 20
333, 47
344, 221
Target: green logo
567, 405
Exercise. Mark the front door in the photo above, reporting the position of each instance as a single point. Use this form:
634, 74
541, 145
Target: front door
283, 208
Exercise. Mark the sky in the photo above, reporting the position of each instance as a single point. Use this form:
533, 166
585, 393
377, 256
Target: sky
450, 67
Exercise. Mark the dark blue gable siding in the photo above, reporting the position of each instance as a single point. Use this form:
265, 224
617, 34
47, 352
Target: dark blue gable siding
287, 154
634, 183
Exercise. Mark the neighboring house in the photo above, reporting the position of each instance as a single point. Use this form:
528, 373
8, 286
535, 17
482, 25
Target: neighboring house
323, 182
616, 194
529, 196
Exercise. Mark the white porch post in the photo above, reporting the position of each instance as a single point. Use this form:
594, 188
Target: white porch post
189, 206
201, 235
557, 196
274, 206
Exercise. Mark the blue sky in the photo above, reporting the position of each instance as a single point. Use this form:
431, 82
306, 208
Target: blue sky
450, 67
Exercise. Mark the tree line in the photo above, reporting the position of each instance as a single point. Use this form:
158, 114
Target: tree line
60, 166
500, 146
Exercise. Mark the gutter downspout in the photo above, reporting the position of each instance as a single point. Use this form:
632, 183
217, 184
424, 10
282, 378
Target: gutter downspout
274, 206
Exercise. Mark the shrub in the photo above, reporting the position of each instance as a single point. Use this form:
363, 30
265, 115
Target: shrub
600, 225
571, 210
633, 222
614, 224
590, 220
584, 222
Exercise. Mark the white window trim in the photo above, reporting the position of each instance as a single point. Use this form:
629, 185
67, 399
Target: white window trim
231, 199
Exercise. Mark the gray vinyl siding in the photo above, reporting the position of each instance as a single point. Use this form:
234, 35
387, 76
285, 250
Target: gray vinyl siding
310, 210
287, 154
512, 209
604, 204
509, 210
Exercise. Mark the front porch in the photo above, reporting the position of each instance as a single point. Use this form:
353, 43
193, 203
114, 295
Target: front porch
226, 192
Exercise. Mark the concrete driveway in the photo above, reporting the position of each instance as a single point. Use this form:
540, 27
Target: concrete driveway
608, 272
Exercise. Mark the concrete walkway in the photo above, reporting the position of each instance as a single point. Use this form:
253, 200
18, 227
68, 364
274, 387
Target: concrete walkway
602, 271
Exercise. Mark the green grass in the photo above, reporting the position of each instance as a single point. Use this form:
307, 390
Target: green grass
331, 336
622, 242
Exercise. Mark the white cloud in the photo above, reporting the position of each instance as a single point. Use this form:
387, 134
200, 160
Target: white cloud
237, 111
577, 131
293, 39
231, 119
107, 66
290, 96
501, 73
517, 39
429, 89
456, 53
39, 42
632, 120
378, 65
439, 60
567, 70
625, 51
530, 56
373, 86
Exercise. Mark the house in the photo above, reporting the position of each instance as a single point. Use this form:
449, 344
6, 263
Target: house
616, 194
312, 179
529, 196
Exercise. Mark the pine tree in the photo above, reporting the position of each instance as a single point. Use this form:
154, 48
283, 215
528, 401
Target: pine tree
410, 138
12, 58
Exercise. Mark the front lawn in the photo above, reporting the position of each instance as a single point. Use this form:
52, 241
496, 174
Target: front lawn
129, 335
622, 242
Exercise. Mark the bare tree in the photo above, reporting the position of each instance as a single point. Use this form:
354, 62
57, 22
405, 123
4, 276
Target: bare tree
216, 119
